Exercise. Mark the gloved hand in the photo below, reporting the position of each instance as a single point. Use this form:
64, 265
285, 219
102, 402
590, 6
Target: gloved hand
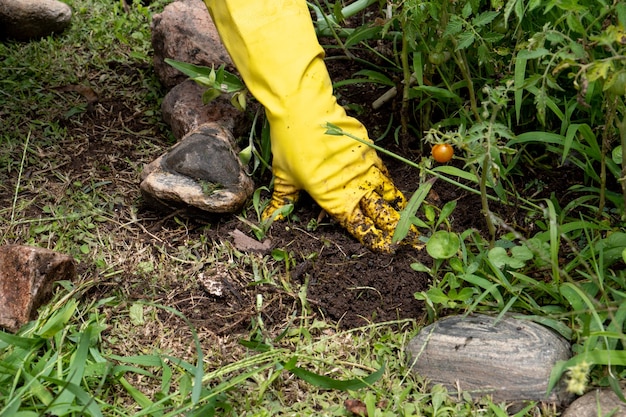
275, 49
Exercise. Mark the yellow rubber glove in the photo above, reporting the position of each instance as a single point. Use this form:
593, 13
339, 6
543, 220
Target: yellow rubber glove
275, 49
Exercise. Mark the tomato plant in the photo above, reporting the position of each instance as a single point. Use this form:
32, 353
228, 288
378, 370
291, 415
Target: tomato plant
442, 152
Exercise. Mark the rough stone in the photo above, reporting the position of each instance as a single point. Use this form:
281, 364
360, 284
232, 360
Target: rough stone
185, 32
184, 111
28, 19
26, 277
201, 173
509, 360
599, 402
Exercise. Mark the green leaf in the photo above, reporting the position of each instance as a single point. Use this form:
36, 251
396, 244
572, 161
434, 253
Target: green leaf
498, 257
612, 247
443, 244
228, 83
362, 33
620, 10
420, 267
616, 155
137, 395
376, 76
404, 224
26, 343
522, 253
465, 40
190, 70
511, 5
76, 371
438, 92
58, 320
437, 296
484, 18
520, 73
210, 94
446, 211
238, 100
455, 26
325, 382
84, 398
141, 360
457, 172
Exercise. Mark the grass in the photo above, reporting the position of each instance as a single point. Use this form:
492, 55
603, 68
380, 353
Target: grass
116, 341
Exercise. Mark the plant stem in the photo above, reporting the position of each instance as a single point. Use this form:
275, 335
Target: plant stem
406, 88
485, 201
621, 126
611, 109
324, 22
461, 60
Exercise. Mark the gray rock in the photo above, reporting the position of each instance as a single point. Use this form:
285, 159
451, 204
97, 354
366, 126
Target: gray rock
28, 19
184, 111
185, 32
26, 277
510, 360
599, 402
202, 173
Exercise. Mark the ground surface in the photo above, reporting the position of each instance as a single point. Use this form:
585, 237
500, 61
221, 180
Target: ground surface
346, 283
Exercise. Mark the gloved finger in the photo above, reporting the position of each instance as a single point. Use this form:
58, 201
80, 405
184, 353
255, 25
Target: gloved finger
362, 227
379, 180
284, 193
386, 218
389, 192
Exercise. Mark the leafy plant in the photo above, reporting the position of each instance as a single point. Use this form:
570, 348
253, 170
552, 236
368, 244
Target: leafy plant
262, 226
216, 81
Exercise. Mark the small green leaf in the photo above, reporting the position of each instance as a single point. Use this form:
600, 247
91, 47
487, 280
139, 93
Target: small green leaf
420, 267
245, 155
210, 95
616, 155
443, 245
239, 100
485, 18
498, 257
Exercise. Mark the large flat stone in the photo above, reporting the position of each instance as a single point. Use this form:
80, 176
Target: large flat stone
509, 360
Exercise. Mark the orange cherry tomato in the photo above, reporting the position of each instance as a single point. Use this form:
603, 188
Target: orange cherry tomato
442, 152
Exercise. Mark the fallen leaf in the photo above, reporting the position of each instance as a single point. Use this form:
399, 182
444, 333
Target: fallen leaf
83, 90
245, 243
356, 407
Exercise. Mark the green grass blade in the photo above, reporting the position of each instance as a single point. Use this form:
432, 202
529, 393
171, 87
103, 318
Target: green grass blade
402, 229
75, 372
141, 398
26, 343
58, 320
84, 398
555, 241
325, 382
